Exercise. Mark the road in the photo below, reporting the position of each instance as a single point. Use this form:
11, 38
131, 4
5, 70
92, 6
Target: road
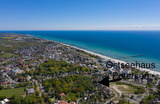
116, 95
11, 80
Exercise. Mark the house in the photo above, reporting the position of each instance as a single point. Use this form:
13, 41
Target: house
111, 70
23, 95
158, 83
126, 71
62, 102
25, 66
6, 69
5, 101
27, 69
2, 102
19, 39
16, 70
115, 69
154, 89
22, 79
21, 60
72, 103
62, 94
144, 81
150, 79
30, 91
1, 52
29, 77
3, 81
157, 101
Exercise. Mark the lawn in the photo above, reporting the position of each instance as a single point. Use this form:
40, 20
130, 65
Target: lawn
126, 89
10, 92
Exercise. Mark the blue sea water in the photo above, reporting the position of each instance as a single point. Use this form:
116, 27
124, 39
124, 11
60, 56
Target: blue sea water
116, 44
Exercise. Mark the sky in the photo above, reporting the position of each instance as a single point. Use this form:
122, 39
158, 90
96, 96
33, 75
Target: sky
79, 14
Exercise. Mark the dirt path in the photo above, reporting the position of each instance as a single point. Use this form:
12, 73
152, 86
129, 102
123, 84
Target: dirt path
117, 90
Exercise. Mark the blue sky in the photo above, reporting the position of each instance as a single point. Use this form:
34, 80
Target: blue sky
79, 14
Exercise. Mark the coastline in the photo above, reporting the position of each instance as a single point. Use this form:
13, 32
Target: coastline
102, 56
112, 59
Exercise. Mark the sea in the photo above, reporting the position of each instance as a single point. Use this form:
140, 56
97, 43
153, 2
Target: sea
129, 46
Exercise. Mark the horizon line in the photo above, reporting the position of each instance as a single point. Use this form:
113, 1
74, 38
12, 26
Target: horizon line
79, 30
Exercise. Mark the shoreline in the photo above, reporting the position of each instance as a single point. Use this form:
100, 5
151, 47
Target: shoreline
112, 59
102, 56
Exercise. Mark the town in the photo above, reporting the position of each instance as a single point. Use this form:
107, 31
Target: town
39, 71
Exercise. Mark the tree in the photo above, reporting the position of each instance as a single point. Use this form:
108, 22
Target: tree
16, 100
1, 87
2, 97
132, 96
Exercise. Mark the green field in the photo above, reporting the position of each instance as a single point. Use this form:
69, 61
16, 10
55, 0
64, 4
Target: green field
129, 88
10, 92
7, 55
